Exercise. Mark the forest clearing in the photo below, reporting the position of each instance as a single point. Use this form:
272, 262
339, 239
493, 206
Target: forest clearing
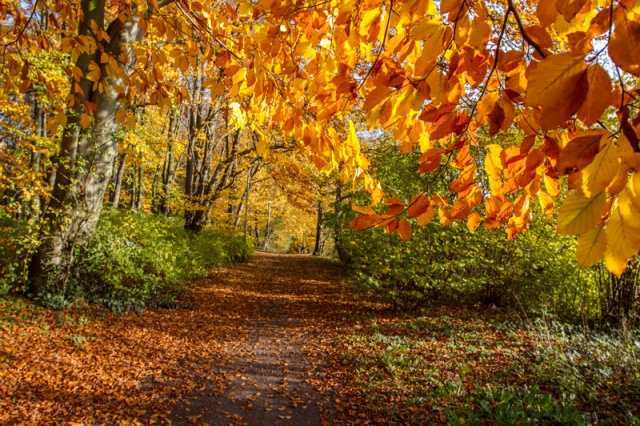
319, 212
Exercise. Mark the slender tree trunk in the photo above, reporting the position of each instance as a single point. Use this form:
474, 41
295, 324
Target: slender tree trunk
118, 186
140, 187
317, 249
246, 204
39, 116
267, 232
343, 253
154, 190
133, 188
170, 166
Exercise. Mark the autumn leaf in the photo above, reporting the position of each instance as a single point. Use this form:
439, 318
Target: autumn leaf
599, 174
363, 209
624, 239
580, 151
554, 79
85, 121
624, 46
591, 247
364, 221
418, 205
426, 217
579, 214
404, 229
598, 97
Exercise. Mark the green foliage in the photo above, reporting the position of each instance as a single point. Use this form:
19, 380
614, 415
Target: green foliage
17, 241
473, 367
537, 271
137, 261
508, 405
585, 365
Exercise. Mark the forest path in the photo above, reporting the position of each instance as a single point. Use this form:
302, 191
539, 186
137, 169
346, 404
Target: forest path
281, 306
259, 343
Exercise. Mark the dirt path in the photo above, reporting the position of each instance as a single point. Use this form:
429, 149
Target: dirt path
271, 361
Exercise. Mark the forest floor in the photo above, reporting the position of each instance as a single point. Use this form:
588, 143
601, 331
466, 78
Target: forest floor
281, 341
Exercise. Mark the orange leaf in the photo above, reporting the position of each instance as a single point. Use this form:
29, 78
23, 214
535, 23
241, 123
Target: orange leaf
364, 221
624, 46
473, 222
418, 205
404, 230
363, 209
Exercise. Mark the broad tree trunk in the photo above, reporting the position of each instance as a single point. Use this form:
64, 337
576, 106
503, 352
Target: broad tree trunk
86, 157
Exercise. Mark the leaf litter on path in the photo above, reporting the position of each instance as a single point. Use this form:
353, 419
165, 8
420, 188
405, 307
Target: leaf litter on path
253, 350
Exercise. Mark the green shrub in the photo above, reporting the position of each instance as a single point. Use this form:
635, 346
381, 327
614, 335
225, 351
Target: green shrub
136, 261
17, 242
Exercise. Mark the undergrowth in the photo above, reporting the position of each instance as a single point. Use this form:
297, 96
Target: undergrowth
459, 366
133, 262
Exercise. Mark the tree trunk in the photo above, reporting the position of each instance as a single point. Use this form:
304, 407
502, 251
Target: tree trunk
318, 247
267, 232
246, 205
85, 160
119, 175
170, 166
133, 190
140, 184
40, 118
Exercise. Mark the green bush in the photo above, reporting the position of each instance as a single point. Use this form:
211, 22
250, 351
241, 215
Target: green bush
136, 261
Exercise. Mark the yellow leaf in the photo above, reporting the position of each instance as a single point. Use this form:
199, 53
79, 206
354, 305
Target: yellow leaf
546, 202
432, 34
479, 34
628, 204
624, 240
368, 20
599, 174
554, 80
591, 247
426, 217
376, 96
614, 263
579, 214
